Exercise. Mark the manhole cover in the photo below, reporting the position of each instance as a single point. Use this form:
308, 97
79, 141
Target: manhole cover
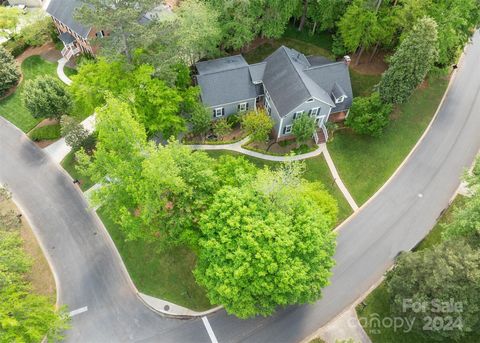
166, 307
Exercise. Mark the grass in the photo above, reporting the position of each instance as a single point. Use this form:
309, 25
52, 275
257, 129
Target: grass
69, 164
40, 276
49, 132
11, 108
378, 304
365, 163
363, 84
164, 274
316, 170
321, 39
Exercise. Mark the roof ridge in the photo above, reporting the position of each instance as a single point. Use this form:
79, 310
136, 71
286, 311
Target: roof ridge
223, 71
324, 65
295, 68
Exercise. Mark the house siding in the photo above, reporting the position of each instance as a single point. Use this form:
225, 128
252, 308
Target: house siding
324, 109
81, 42
232, 108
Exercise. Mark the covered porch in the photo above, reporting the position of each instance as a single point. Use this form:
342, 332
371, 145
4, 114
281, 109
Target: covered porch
71, 47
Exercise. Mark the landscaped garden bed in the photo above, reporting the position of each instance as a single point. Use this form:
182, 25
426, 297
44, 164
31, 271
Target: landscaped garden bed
236, 135
282, 148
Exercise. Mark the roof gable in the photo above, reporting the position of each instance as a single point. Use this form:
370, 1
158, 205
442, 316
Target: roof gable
221, 64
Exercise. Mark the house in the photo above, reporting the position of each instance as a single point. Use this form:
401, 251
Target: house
287, 84
76, 37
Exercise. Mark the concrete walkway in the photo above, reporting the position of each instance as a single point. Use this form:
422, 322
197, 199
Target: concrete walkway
60, 149
338, 180
61, 73
166, 307
344, 327
237, 147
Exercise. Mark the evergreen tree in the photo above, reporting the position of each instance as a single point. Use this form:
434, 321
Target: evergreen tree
411, 62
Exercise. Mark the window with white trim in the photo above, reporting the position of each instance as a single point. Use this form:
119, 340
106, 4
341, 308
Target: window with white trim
297, 114
310, 100
340, 100
314, 112
287, 129
218, 112
242, 107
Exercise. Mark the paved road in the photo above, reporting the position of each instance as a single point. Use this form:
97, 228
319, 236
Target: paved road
90, 273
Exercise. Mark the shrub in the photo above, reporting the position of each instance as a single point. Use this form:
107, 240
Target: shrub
16, 46
304, 128
234, 119
38, 33
200, 120
258, 124
221, 128
9, 74
369, 115
46, 97
49, 132
74, 133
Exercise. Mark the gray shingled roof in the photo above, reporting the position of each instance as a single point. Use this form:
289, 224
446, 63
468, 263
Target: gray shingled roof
63, 10
226, 86
66, 37
221, 64
287, 83
318, 60
257, 71
327, 75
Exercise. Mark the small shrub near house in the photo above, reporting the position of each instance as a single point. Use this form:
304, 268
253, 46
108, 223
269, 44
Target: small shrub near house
303, 128
258, 124
221, 128
369, 115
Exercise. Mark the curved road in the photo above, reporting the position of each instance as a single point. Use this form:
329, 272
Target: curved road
89, 272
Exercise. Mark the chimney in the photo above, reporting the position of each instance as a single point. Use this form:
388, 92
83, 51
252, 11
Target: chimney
347, 60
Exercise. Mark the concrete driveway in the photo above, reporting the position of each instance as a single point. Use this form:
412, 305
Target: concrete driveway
91, 277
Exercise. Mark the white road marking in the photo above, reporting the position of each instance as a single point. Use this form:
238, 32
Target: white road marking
78, 311
209, 330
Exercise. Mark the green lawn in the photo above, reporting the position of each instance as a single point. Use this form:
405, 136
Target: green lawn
166, 275
378, 305
316, 170
365, 163
12, 108
363, 84
49, 132
68, 164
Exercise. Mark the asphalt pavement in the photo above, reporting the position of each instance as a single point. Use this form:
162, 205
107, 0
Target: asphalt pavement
90, 275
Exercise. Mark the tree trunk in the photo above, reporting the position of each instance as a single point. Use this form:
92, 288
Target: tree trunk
379, 3
304, 15
359, 55
314, 28
373, 53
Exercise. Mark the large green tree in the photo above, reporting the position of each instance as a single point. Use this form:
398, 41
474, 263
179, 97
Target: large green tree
258, 125
46, 97
264, 244
411, 62
199, 30
304, 128
9, 74
126, 33
369, 115
428, 279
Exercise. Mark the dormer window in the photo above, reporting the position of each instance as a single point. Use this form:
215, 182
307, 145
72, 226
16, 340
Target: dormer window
310, 100
340, 99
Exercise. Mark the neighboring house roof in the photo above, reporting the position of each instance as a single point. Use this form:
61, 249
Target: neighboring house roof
257, 71
63, 10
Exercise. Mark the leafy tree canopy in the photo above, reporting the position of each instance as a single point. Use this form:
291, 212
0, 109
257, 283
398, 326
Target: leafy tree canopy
9, 73
46, 97
369, 115
258, 124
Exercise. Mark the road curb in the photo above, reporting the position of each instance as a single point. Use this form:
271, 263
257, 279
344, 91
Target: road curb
422, 137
